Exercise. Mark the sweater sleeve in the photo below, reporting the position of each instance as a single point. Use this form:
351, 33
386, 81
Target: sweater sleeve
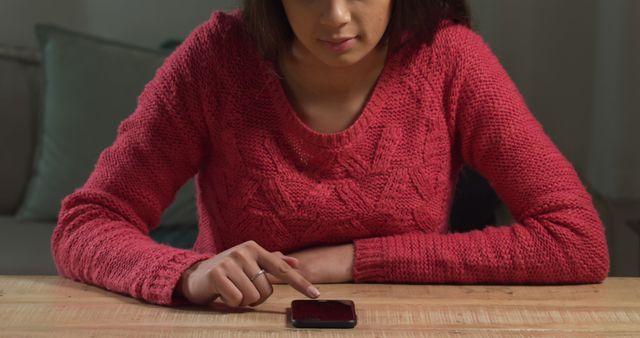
102, 235
558, 236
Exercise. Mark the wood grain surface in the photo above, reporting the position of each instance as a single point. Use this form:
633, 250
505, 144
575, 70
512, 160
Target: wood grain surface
48, 306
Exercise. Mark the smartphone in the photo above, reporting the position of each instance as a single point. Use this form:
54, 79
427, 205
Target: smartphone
321, 313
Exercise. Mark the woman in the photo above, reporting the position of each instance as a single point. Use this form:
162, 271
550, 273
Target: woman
332, 131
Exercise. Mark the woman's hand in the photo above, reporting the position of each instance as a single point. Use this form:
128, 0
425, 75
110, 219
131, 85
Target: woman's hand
329, 264
228, 276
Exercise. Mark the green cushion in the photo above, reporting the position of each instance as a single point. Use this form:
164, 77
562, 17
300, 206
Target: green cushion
183, 237
91, 85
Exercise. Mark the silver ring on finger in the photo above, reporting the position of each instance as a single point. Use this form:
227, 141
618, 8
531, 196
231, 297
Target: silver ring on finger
258, 274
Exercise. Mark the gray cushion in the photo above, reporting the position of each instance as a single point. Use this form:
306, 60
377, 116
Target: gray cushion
25, 247
19, 102
91, 85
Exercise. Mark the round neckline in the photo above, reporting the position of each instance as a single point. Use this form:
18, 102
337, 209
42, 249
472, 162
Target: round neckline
294, 124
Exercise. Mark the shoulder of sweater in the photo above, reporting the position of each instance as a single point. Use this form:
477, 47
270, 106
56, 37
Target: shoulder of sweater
217, 32
211, 46
223, 25
456, 45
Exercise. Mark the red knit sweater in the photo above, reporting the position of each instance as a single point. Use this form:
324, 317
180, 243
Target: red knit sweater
217, 110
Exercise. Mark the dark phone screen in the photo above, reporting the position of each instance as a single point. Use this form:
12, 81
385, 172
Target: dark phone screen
323, 310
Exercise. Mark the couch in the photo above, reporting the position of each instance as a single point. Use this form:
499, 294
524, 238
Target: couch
30, 192
67, 79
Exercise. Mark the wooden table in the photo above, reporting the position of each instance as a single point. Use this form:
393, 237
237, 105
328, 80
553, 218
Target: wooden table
53, 306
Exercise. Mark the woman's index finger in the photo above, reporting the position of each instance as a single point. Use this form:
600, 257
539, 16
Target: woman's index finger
281, 269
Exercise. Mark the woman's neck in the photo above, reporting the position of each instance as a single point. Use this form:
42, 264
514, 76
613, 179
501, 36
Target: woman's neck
307, 75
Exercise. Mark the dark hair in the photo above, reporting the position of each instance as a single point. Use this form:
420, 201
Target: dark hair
267, 22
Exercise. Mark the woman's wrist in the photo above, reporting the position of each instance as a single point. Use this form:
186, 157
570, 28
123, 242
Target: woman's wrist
182, 287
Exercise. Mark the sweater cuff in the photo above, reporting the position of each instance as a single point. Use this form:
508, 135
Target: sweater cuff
368, 265
163, 284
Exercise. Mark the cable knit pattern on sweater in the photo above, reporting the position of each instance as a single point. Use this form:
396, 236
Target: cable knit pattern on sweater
217, 110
